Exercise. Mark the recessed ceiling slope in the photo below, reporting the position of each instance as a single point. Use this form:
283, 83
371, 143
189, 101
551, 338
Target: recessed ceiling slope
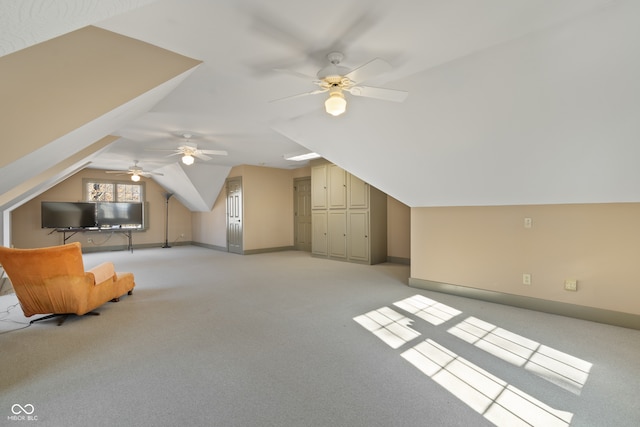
549, 118
196, 187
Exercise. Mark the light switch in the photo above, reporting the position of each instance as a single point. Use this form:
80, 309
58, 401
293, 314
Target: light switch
571, 285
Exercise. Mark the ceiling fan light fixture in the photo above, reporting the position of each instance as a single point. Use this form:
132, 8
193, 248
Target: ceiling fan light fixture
188, 159
135, 177
336, 104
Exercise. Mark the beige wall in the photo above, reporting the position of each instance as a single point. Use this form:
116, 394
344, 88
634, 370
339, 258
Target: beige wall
26, 231
398, 229
301, 172
268, 207
268, 221
210, 228
267, 211
68, 81
489, 248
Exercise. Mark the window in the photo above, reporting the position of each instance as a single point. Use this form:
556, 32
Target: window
113, 191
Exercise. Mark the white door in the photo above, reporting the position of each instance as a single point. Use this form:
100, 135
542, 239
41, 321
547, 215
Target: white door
234, 215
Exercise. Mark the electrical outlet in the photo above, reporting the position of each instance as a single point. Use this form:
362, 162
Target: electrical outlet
526, 279
182, 235
89, 240
571, 285
528, 223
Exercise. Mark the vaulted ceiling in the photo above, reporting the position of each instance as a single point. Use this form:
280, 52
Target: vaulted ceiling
510, 101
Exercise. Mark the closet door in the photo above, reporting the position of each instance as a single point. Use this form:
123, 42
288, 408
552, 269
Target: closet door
337, 226
358, 193
319, 187
302, 231
358, 241
319, 239
337, 178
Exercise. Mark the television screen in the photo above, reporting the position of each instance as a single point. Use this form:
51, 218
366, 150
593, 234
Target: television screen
68, 214
113, 214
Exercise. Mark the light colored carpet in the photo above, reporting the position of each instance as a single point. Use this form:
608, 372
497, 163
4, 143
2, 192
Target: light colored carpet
215, 339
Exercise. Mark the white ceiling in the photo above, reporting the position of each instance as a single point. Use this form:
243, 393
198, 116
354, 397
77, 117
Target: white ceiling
510, 101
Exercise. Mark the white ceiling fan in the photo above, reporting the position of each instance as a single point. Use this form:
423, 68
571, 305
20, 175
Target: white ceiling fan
189, 151
135, 171
337, 79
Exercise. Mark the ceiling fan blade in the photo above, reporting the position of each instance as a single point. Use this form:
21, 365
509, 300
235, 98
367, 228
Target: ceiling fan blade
201, 156
379, 93
369, 70
175, 154
313, 92
214, 152
148, 174
119, 172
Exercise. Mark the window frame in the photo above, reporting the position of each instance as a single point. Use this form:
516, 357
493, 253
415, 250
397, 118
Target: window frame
115, 183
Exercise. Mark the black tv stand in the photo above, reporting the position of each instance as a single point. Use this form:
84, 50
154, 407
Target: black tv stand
126, 231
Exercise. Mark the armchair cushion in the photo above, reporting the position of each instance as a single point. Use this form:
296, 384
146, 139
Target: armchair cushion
53, 280
103, 272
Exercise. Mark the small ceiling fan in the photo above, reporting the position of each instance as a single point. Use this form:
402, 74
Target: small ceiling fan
189, 151
337, 79
135, 171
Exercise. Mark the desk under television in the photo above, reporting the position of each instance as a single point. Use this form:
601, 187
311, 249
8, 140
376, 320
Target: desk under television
68, 233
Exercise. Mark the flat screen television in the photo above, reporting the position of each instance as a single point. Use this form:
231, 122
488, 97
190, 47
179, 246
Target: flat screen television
119, 214
68, 214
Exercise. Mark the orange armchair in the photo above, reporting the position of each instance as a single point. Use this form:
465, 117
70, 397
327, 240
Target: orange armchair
53, 281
